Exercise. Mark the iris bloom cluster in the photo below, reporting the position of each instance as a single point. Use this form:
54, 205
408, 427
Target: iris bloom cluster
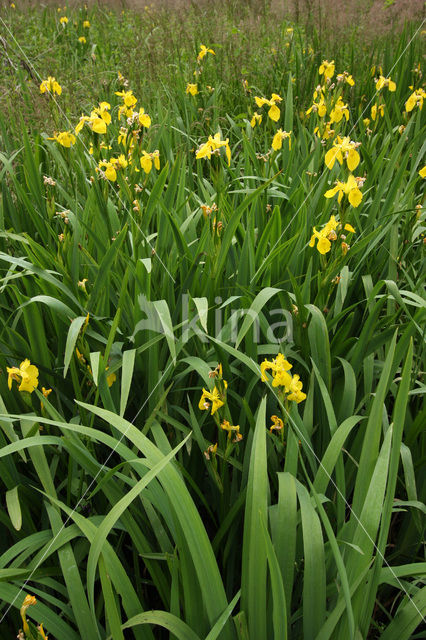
325, 101
98, 122
129, 101
280, 367
274, 114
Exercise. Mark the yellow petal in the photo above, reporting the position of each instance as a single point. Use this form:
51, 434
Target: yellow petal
110, 173
98, 125
411, 103
260, 101
277, 141
146, 163
330, 158
355, 197
331, 192
274, 113
145, 120
349, 227
203, 151
352, 159
324, 245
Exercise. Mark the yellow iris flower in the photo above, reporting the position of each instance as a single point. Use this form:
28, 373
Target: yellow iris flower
327, 235
345, 77
274, 111
318, 107
102, 111
110, 167
339, 110
277, 424
98, 120
349, 188
416, 99
226, 426
296, 394
214, 144
109, 170
191, 89
277, 141
327, 69
213, 397
26, 375
148, 159
144, 118
28, 602
51, 86
385, 82
377, 109
279, 367
65, 138
256, 119
324, 236
343, 148
203, 52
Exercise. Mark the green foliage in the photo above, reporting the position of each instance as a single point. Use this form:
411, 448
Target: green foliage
129, 511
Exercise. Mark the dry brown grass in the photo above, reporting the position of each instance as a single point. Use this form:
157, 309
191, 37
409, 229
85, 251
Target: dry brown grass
373, 17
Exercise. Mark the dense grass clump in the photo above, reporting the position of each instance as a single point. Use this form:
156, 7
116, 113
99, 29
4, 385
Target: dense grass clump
212, 323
